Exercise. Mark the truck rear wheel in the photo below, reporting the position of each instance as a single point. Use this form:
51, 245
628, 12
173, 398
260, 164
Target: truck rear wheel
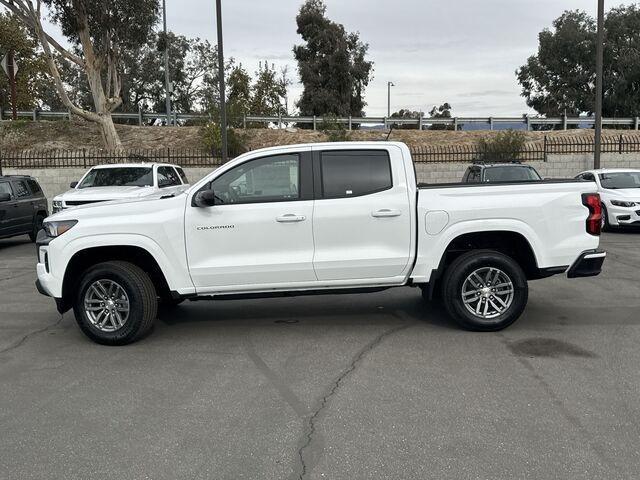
485, 290
116, 303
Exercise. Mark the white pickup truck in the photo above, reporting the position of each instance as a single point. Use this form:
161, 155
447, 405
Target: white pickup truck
321, 218
122, 181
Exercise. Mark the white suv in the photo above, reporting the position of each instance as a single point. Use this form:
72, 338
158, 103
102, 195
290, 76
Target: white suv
619, 190
122, 181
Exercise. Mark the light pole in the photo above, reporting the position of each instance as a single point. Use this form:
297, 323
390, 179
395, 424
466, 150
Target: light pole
389, 85
167, 81
597, 148
223, 103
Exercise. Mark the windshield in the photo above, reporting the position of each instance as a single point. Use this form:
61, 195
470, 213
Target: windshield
510, 174
118, 177
620, 180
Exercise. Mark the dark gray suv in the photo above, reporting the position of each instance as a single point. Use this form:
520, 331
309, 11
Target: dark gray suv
23, 206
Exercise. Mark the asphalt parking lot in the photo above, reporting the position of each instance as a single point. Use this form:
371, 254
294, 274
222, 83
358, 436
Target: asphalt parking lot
369, 386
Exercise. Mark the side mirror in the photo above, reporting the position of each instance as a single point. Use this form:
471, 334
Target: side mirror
204, 198
73, 184
5, 197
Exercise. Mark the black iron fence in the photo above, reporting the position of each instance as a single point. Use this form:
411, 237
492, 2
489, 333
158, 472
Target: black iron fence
85, 158
534, 151
538, 151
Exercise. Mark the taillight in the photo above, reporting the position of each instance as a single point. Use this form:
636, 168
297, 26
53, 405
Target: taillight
594, 220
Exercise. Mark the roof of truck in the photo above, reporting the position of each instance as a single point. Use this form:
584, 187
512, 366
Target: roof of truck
136, 165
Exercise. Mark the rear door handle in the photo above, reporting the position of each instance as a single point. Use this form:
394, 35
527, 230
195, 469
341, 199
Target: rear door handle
386, 212
290, 218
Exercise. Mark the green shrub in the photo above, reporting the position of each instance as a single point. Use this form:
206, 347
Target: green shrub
504, 147
211, 135
333, 129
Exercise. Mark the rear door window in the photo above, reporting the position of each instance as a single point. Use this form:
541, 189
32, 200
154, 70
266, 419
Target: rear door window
474, 175
167, 177
20, 187
182, 175
352, 173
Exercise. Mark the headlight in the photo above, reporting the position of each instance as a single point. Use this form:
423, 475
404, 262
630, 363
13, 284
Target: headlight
55, 229
620, 203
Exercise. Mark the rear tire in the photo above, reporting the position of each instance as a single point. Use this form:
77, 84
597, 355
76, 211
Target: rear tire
485, 290
116, 303
37, 226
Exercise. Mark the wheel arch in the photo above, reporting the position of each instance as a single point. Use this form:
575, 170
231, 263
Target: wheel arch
88, 257
508, 242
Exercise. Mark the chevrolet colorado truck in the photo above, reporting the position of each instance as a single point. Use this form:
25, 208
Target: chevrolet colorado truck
320, 218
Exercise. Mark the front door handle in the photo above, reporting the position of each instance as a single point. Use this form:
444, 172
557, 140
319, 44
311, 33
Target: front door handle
290, 218
386, 212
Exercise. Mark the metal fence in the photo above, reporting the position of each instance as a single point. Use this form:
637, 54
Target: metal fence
537, 151
85, 158
489, 123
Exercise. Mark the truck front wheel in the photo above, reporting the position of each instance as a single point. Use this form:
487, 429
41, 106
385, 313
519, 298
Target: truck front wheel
485, 290
116, 303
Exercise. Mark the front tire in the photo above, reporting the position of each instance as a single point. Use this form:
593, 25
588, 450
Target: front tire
116, 303
485, 290
606, 226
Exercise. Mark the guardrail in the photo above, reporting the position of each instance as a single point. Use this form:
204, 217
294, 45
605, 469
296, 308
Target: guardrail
538, 151
455, 123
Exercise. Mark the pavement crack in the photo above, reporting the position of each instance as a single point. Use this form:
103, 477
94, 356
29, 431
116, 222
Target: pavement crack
335, 386
21, 342
13, 277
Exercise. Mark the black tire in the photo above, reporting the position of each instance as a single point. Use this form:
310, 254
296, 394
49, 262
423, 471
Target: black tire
37, 226
143, 302
456, 275
606, 226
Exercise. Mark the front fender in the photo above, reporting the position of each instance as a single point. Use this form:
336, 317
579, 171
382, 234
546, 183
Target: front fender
173, 266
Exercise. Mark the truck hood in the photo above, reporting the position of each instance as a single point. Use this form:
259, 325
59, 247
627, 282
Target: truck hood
632, 194
95, 194
113, 207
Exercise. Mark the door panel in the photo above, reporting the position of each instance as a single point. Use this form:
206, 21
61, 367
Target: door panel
24, 208
8, 212
259, 233
249, 244
361, 235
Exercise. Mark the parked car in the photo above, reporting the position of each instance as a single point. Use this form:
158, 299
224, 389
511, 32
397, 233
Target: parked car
620, 193
23, 206
500, 172
122, 181
323, 218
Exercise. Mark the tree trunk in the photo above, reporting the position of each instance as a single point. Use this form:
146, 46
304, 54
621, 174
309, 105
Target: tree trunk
110, 137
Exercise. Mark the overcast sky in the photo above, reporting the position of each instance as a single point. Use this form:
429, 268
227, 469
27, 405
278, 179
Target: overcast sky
463, 52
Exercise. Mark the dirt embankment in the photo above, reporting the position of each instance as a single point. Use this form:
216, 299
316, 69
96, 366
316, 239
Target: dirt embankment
79, 134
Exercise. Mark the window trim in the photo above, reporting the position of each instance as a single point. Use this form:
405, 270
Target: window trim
319, 181
305, 179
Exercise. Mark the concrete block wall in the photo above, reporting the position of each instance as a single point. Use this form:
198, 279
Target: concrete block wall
56, 180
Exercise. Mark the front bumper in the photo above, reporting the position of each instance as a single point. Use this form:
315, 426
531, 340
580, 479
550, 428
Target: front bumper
46, 284
622, 216
588, 264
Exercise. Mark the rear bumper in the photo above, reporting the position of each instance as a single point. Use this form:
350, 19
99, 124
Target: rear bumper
588, 264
